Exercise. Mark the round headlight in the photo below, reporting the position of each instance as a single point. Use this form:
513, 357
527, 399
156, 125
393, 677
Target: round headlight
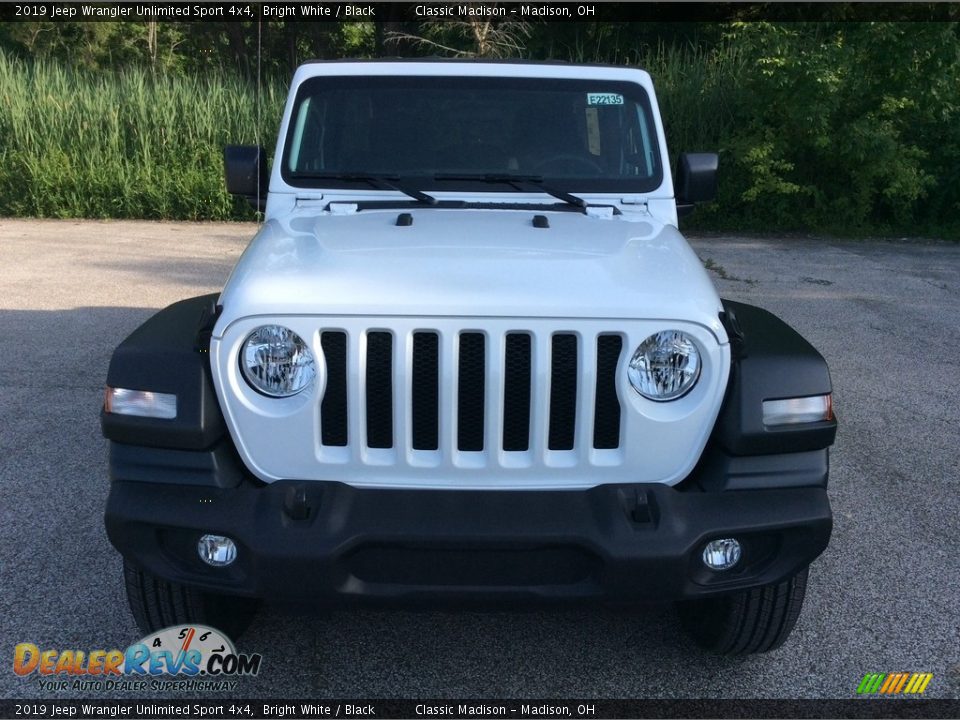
665, 366
277, 362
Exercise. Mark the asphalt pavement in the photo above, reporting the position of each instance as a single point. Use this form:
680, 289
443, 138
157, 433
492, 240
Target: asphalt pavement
885, 597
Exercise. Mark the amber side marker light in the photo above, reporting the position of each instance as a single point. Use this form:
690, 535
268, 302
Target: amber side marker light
140, 403
794, 411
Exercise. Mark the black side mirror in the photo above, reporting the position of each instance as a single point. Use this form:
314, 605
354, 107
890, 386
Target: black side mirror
696, 180
245, 168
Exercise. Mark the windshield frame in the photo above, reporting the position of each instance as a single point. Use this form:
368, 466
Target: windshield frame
423, 181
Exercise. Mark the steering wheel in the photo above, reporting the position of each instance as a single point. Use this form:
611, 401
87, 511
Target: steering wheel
472, 156
569, 163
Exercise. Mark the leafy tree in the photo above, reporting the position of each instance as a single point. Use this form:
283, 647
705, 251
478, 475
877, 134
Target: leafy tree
839, 123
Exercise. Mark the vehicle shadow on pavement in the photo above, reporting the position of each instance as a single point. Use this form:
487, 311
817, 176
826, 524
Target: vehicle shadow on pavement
190, 272
578, 651
66, 347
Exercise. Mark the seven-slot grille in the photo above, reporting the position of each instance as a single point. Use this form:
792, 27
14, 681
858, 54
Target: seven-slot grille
494, 381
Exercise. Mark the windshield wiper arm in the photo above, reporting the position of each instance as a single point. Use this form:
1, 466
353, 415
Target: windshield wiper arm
517, 182
390, 182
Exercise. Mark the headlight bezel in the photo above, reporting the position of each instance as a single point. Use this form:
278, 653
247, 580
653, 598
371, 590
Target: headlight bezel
661, 339
308, 370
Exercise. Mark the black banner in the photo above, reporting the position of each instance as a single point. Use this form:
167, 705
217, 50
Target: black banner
450, 709
305, 11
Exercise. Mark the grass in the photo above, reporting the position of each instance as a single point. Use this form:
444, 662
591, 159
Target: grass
698, 91
124, 144
127, 144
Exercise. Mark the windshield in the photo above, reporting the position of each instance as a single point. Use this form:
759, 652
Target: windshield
446, 133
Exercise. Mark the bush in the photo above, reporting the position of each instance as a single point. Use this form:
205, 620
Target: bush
844, 128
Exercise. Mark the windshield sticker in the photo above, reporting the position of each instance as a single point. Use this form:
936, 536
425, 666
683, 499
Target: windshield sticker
593, 130
604, 99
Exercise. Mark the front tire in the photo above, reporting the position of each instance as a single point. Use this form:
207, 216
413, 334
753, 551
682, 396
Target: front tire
751, 621
157, 604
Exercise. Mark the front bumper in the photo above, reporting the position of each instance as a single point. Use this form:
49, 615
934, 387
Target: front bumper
323, 542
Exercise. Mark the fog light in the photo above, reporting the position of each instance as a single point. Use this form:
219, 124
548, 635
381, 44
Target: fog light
721, 554
217, 550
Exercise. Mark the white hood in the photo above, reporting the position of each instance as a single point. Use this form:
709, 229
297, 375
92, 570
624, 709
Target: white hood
471, 263
450, 272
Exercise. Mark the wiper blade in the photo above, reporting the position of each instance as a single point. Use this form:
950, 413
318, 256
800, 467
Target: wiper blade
390, 182
517, 182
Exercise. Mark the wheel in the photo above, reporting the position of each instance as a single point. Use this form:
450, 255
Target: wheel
568, 163
156, 604
750, 621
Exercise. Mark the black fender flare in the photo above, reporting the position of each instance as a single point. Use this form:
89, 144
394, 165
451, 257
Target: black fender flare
169, 353
770, 361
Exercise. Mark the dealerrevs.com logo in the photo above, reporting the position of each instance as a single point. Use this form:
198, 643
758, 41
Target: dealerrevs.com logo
190, 657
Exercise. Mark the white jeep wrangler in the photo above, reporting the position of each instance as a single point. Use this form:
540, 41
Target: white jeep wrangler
469, 356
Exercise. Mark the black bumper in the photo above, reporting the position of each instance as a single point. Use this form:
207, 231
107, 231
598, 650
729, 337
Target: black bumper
324, 542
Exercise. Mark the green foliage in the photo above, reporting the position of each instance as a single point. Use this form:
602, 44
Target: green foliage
845, 128
479, 38
125, 144
840, 127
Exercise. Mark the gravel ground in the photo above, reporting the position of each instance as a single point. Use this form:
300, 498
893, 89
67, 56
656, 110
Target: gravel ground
883, 598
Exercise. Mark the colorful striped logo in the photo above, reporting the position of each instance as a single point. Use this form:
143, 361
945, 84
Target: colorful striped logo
894, 683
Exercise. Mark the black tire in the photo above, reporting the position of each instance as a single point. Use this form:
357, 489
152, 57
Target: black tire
156, 604
751, 621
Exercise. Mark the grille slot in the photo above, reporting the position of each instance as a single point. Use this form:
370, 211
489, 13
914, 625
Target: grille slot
516, 393
333, 409
425, 398
379, 390
606, 411
563, 391
470, 388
